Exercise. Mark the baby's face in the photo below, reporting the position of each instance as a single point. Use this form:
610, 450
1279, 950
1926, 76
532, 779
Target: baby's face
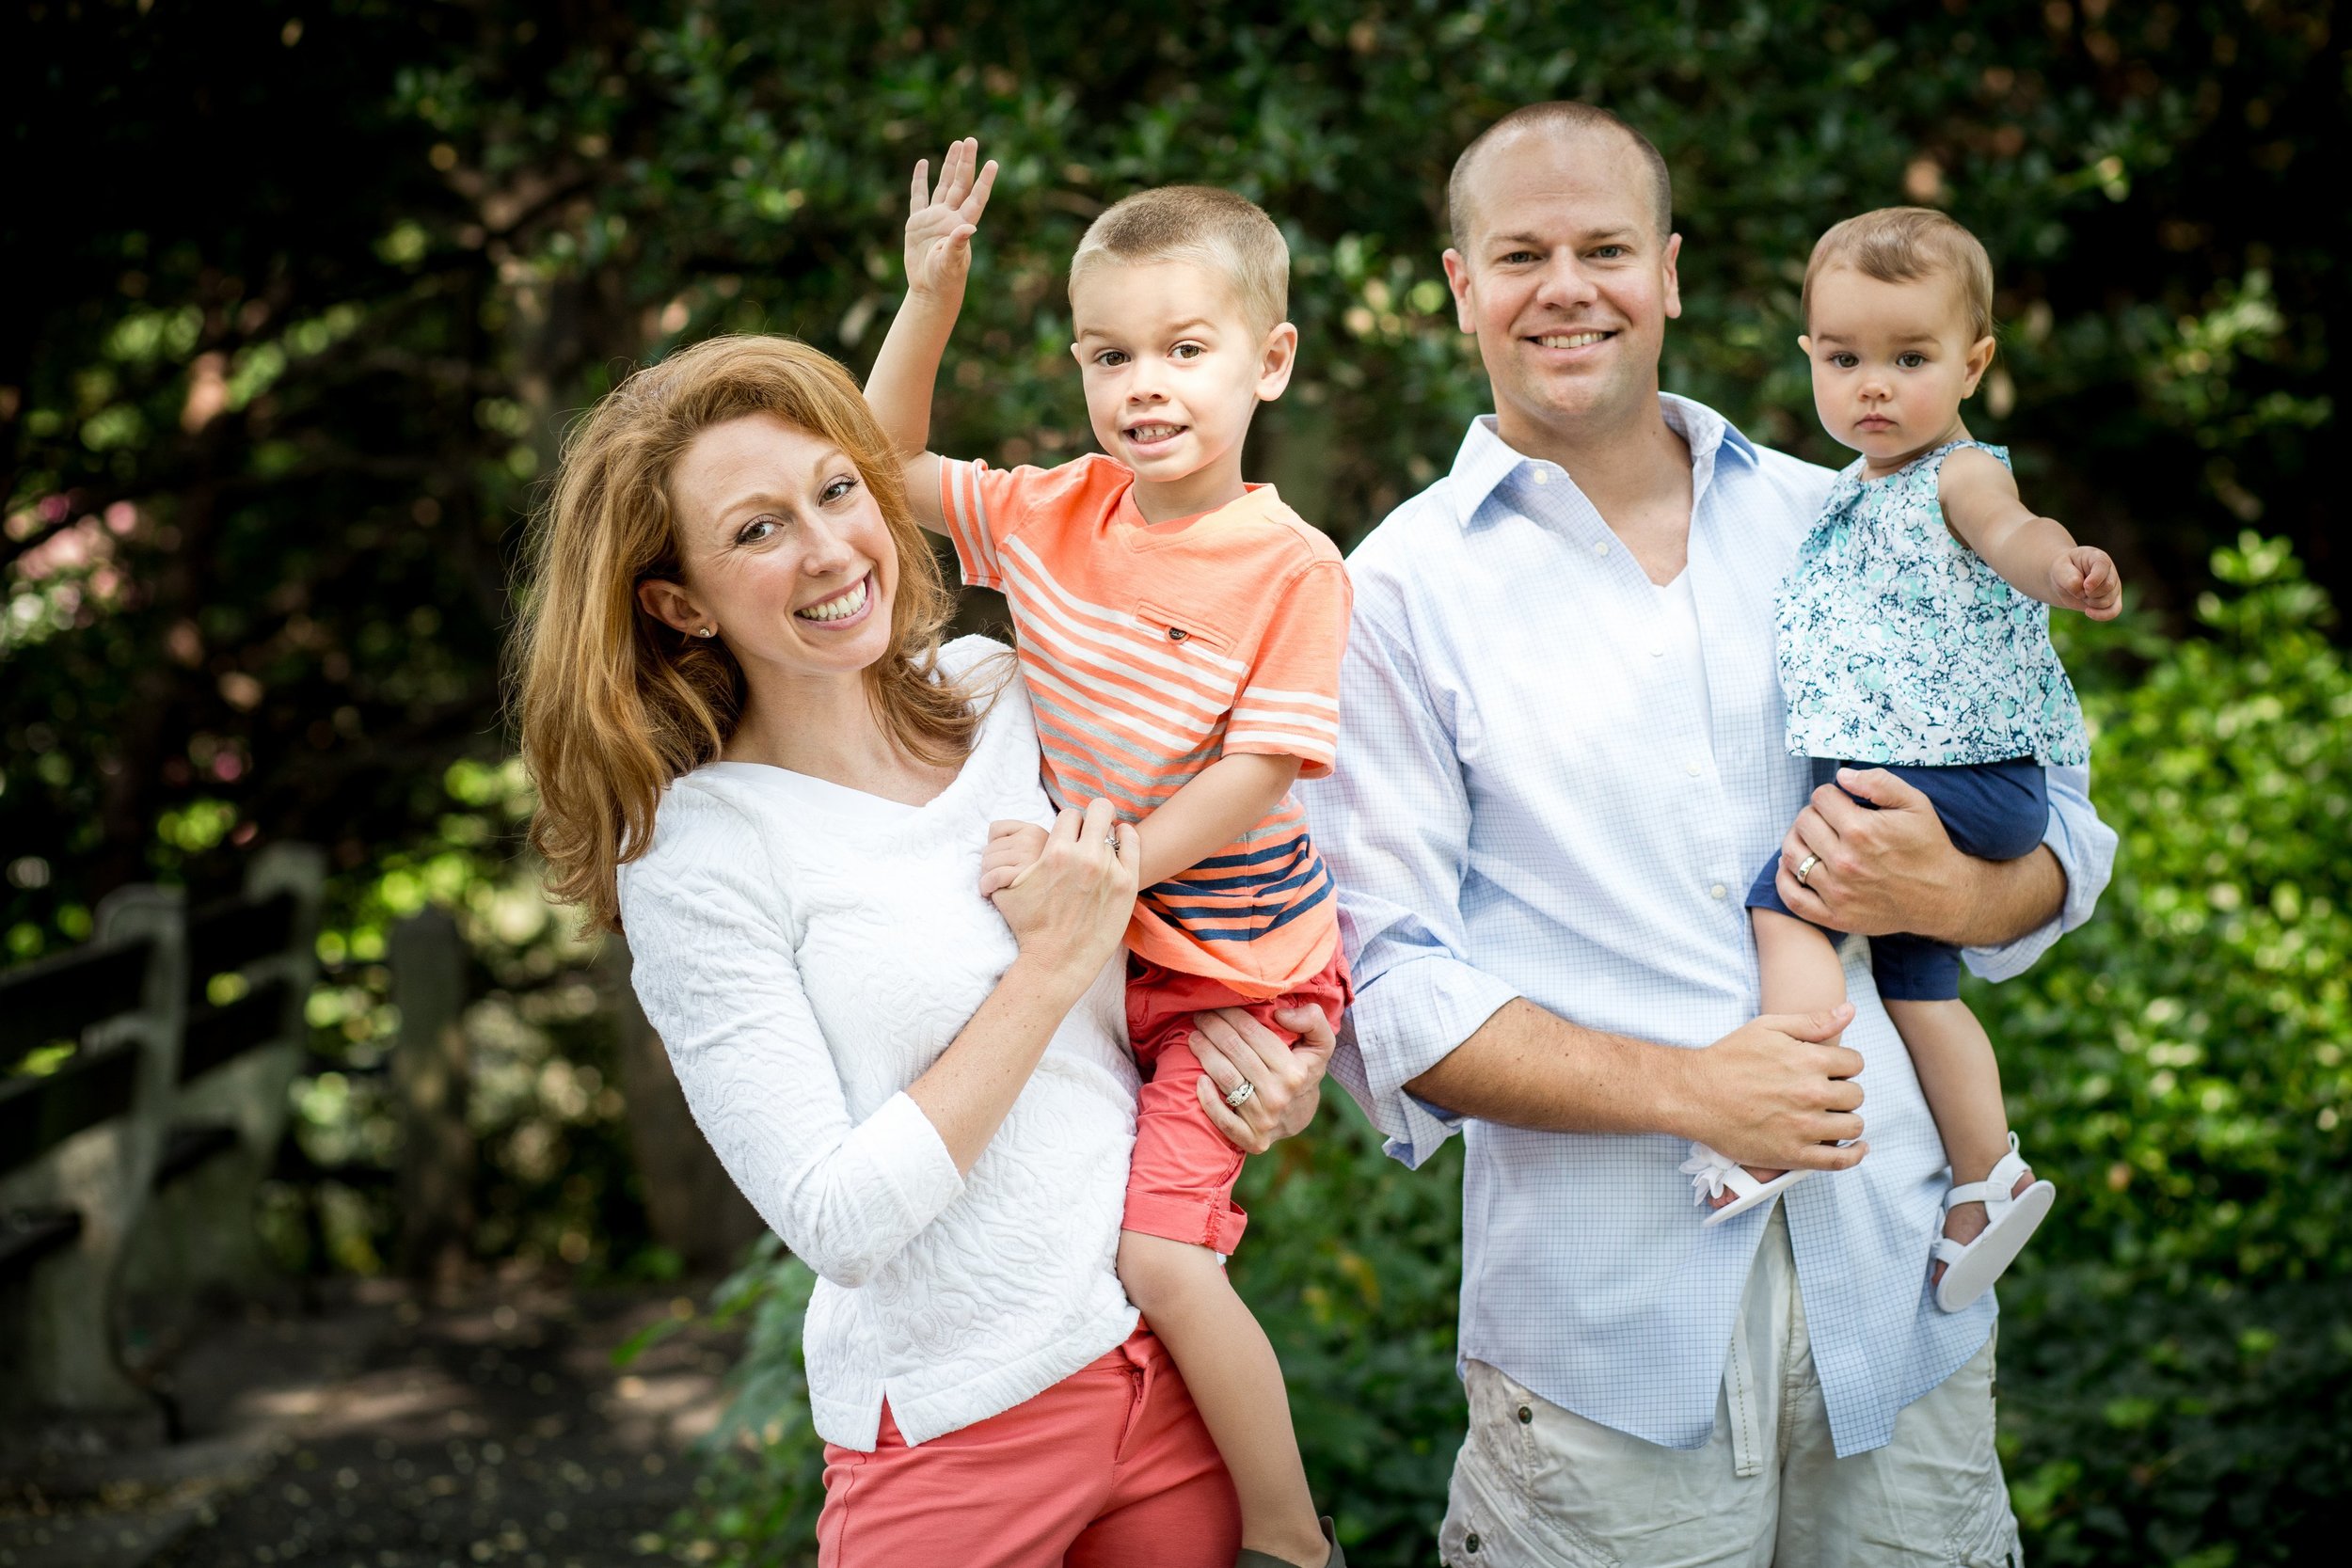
1891, 362
1173, 369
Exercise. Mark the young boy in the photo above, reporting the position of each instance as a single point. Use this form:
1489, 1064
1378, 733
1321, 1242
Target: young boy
1915, 636
1181, 633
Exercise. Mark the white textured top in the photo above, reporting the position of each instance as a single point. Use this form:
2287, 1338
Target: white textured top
806, 951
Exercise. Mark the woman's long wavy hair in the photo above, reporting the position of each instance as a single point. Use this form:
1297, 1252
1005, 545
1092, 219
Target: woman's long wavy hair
614, 704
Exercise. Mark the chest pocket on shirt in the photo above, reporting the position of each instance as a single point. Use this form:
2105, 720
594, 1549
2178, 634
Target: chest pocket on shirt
1182, 634
1198, 678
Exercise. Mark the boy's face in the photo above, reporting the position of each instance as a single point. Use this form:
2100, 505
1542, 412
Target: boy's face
1173, 370
1891, 362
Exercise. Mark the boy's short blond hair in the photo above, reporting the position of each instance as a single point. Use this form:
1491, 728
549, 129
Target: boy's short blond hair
1902, 244
1206, 226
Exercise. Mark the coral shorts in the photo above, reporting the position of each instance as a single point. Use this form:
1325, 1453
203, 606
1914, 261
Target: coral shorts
1181, 1183
1108, 1468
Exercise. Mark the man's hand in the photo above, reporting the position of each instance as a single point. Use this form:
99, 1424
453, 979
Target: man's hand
1772, 1095
1233, 1046
1874, 872
941, 219
1013, 848
2084, 578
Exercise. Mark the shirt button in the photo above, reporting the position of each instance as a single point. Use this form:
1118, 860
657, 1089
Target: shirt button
1470, 1541
1692, 768
1526, 1415
1600, 549
1657, 653
1543, 476
1718, 891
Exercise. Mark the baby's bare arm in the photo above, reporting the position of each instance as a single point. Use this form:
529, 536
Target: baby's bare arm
1224, 801
2034, 554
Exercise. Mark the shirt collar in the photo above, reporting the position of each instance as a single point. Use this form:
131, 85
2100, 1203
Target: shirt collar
1485, 460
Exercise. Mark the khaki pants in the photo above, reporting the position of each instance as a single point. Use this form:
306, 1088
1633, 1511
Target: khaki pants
1537, 1486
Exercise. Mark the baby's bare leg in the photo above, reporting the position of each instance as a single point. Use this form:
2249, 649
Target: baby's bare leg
1236, 1383
1962, 1080
1798, 967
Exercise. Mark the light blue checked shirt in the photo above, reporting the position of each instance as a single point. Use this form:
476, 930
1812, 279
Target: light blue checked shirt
1553, 783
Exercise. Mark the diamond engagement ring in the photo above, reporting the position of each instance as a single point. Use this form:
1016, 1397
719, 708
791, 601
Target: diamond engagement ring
1805, 870
1241, 1094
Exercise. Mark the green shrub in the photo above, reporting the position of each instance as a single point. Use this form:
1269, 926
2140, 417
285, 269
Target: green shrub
2177, 1371
2177, 1363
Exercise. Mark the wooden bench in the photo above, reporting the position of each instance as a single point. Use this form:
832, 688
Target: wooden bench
256, 954
129, 1174
79, 1148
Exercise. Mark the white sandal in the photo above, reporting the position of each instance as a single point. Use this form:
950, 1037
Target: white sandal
1710, 1173
1970, 1268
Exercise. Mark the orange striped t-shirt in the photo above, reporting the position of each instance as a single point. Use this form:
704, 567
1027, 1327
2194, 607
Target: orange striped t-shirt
1152, 649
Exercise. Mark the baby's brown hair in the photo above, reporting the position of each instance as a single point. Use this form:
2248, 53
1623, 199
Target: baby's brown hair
1902, 244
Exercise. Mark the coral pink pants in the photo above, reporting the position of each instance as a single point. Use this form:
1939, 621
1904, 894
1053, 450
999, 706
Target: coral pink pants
1108, 1468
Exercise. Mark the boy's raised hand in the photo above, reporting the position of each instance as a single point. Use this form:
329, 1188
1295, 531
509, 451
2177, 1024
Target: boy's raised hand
941, 219
2084, 578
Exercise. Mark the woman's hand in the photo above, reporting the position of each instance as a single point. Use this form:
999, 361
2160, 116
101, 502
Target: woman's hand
941, 219
1235, 1047
1069, 909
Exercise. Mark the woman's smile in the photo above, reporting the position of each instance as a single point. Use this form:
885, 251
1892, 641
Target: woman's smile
843, 609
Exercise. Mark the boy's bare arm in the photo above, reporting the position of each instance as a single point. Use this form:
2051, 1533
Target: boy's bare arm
940, 221
2036, 555
1223, 801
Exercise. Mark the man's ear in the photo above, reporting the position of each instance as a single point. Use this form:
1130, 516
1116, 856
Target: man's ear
1673, 278
1458, 278
1980, 361
1277, 357
673, 606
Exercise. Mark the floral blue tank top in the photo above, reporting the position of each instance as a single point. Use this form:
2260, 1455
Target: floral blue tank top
1899, 645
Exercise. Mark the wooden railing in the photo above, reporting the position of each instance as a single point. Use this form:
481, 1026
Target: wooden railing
130, 1171
132, 1165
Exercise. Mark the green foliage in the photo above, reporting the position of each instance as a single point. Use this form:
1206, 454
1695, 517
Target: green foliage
763, 1480
1353, 1264
265, 439
2177, 1361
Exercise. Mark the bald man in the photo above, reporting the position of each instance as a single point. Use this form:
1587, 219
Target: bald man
1564, 758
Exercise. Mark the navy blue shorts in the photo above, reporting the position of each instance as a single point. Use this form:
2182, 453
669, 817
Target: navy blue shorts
1995, 810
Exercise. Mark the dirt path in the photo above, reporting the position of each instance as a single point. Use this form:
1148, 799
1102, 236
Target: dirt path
388, 1431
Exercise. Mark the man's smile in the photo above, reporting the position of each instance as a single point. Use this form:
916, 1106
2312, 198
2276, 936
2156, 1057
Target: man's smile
1570, 340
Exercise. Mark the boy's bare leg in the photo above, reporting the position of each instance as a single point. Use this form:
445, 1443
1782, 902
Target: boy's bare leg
1962, 1080
1798, 967
1236, 1384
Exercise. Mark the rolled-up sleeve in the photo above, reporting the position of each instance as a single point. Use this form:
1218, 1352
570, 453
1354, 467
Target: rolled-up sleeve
716, 971
1393, 822
2084, 847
